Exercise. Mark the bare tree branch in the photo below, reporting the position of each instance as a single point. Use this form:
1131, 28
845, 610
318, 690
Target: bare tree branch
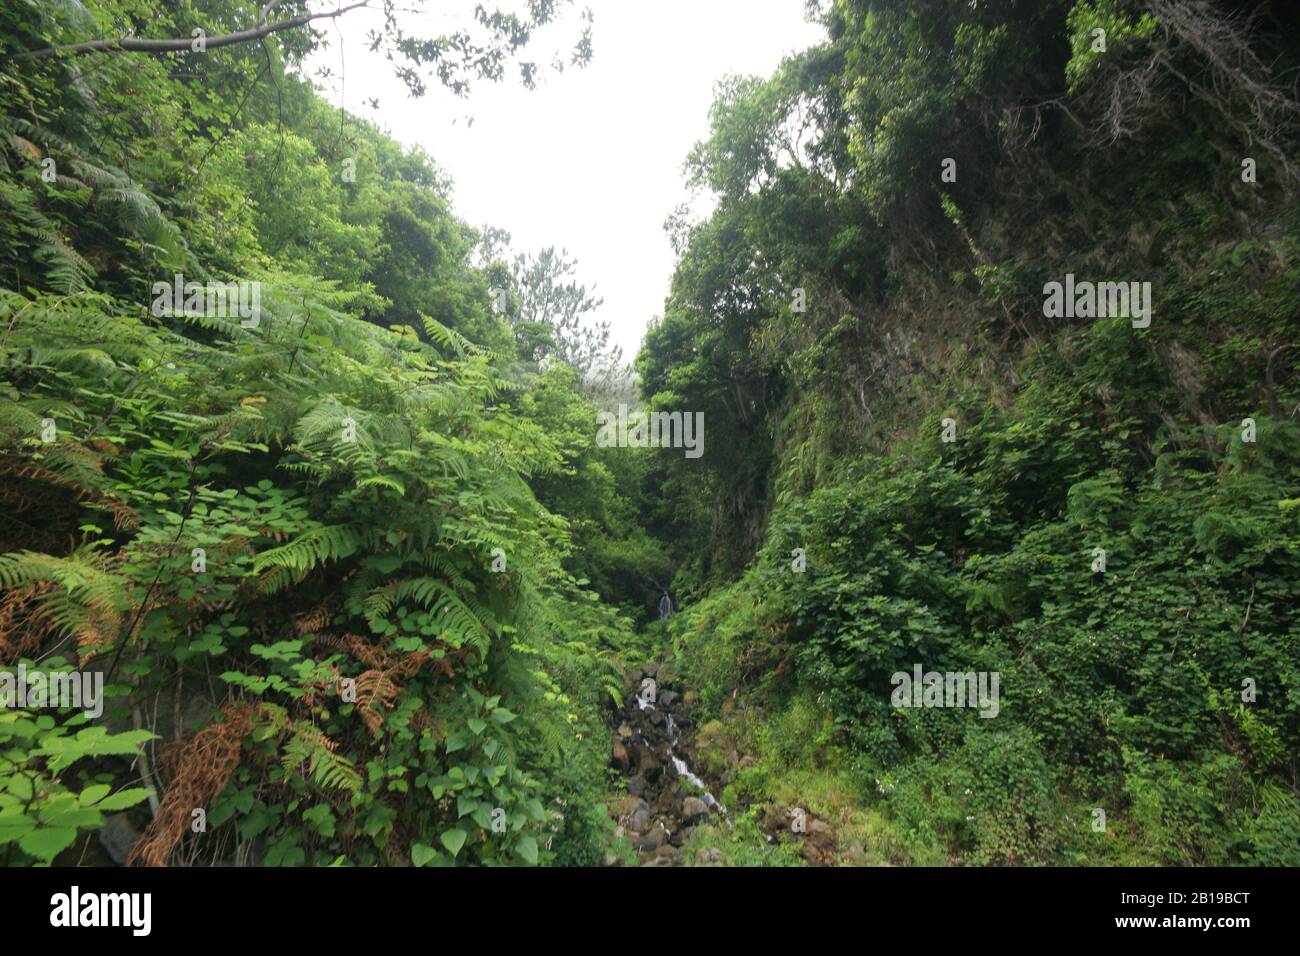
142, 45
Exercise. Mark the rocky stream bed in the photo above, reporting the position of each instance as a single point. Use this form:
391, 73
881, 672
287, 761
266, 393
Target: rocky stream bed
666, 798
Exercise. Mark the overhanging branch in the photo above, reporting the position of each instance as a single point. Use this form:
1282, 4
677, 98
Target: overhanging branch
143, 45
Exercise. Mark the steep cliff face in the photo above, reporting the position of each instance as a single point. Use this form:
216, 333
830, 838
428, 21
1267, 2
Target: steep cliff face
995, 327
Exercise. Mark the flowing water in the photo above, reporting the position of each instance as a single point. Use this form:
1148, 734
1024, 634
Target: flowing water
667, 798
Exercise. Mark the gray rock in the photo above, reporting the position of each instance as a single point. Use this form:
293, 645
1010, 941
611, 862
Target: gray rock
667, 800
652, 840
694, 810
117, 836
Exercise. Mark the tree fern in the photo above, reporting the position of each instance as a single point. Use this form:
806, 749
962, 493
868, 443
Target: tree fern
448, 339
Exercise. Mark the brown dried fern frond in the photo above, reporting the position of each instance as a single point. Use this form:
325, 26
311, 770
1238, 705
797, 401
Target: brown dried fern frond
317, 619
22, 629
375, 689
198, 765
372, 655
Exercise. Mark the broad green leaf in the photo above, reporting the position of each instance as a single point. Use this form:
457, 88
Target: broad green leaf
526, 847
454, 839
46, 843
422, 853
94, 793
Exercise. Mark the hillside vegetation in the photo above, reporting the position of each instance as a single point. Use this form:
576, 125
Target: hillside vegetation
365, 588
1103, 514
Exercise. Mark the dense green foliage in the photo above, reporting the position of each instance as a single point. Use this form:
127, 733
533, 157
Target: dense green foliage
361, 579
306, 544
846, 305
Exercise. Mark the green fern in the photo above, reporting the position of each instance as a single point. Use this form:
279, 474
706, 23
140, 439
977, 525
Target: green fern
311, 549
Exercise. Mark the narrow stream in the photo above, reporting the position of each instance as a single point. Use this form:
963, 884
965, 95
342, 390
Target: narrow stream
667, 799
684, 771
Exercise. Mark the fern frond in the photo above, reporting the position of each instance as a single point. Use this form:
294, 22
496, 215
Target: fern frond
307, 746
448, 338
311, 549
88, 600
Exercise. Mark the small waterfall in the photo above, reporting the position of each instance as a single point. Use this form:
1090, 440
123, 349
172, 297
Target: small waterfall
684, 770
665, 607
709, 799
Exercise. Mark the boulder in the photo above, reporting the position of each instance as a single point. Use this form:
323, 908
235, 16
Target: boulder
628, 804
620, 757
649, 767
651, 840
117, 836
694, 810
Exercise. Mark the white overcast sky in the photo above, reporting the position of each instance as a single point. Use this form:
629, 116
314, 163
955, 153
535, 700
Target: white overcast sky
591, 160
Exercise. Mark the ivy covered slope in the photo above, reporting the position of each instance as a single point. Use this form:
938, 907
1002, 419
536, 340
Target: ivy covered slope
848, 308
303, 547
